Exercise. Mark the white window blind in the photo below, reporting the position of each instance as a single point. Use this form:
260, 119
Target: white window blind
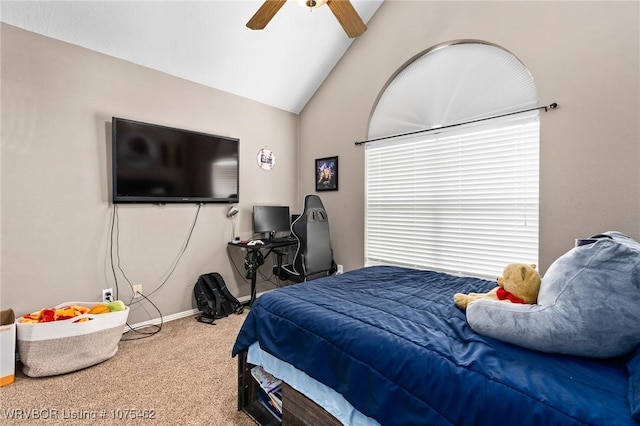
462, 201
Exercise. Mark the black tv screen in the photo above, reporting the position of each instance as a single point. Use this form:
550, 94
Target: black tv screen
158, 164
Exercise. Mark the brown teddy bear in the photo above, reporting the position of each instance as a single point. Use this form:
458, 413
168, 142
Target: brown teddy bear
519, 283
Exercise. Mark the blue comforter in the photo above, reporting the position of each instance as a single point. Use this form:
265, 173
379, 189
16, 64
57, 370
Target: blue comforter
392, 342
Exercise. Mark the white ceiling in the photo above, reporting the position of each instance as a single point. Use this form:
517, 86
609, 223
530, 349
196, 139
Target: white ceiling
204, 41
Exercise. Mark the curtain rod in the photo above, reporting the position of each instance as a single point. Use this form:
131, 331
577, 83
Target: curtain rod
545, 108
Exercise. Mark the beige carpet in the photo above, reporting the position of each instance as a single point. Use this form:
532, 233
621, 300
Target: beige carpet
183, 375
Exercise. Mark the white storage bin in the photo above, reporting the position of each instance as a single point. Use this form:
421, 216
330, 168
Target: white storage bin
7, 347
59, 347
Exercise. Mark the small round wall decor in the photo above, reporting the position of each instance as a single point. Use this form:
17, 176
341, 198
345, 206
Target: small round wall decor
266, 159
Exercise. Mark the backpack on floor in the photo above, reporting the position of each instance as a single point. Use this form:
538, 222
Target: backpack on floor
214, 299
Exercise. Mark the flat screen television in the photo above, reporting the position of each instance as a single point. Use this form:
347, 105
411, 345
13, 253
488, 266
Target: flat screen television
157, 164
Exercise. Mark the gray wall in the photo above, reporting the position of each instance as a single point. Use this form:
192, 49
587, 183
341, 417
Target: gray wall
58, 100
582, 55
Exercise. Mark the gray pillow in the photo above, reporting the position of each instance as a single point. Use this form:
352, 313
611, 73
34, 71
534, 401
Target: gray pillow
588, 305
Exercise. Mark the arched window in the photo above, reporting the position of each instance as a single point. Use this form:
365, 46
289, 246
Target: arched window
462, 199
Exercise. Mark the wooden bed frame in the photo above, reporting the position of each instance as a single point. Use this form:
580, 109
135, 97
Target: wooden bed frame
297, 409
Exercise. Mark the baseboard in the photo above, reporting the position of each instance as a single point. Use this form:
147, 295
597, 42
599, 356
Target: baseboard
157, 321
244, 299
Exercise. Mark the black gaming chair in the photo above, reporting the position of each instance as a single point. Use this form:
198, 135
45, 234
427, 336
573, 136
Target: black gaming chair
314, 256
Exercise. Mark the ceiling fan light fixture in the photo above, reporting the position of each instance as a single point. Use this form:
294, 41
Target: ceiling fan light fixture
311, 4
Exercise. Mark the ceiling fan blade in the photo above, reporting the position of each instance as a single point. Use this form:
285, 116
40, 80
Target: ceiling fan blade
267, 11
347, 17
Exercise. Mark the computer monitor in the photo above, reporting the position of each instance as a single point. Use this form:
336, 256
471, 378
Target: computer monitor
271, 219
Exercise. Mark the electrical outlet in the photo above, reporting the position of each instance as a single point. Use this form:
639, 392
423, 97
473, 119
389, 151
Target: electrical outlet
107, 295
340, 270
137, 290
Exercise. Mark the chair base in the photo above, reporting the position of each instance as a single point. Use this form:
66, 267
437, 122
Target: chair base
286, 273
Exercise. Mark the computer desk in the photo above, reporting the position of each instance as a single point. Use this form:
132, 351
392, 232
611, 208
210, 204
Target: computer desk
251, 258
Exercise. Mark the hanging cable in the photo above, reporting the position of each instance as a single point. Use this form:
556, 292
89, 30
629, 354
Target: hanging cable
114, 250
143, 334
182, 250
545, 108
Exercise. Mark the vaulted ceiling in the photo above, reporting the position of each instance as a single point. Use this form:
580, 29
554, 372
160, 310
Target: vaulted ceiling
204, 41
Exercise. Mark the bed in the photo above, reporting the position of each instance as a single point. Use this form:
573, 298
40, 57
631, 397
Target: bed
391, 342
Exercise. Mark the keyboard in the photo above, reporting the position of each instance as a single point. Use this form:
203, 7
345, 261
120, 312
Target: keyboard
282, 239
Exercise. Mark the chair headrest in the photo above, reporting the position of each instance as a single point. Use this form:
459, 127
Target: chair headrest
313, 202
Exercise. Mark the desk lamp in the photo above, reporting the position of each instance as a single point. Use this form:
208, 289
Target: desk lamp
231, 214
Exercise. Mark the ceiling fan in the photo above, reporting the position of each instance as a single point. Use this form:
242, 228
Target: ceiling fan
342, 9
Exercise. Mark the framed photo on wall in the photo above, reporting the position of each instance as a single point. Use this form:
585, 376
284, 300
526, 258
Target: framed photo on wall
327, 174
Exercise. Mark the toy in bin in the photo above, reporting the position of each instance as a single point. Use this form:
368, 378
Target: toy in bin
70, 336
